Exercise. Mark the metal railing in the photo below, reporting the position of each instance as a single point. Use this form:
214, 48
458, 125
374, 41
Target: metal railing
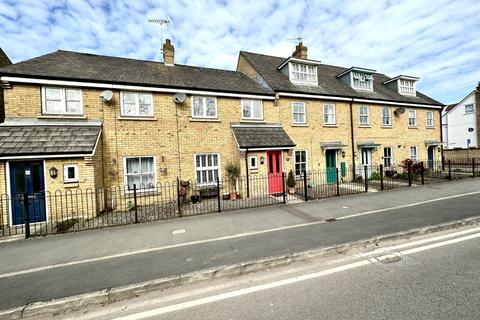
74, 210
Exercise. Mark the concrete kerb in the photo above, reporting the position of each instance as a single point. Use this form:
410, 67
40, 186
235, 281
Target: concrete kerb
103, 297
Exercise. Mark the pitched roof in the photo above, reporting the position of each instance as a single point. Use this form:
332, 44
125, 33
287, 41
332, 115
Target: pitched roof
18, 140
328, 82
4, 60
450, 107
254, 136
67, 65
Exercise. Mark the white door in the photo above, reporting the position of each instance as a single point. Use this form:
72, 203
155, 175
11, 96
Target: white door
366, 162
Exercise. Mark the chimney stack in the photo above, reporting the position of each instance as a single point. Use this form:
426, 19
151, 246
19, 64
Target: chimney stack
300, 51
168, 53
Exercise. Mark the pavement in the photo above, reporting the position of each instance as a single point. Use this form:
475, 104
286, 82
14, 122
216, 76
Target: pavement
41, 269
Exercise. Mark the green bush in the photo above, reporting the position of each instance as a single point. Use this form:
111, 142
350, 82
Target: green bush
291, 180
375, 176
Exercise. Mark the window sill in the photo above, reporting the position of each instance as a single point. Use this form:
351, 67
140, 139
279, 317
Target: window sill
430, 127
137, 118
70, 184
204, 120
299, 125
412, 127
364, 126
330, 126
387, 127
252, 120
60, 116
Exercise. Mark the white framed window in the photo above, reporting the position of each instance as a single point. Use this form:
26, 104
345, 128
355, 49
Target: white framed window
141, 172
303, 74
207, 168
298, 113
469, 108
136, 104
329, 116
429, 119
252, 109
253, 162
412, 118
70, 173
62, 101
406, 87
387, 157
362, 81
386, 117
204, 107
301, 162
414, 153
363, 116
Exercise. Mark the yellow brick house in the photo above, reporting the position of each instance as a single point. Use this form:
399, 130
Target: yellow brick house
79, 124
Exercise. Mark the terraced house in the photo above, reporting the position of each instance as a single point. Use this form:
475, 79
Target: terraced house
75, 121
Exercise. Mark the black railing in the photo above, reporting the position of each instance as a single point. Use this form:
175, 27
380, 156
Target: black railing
75, 210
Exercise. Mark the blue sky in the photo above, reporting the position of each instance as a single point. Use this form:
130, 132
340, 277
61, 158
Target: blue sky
439, 41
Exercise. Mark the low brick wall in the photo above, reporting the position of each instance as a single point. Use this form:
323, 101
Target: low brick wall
461, 153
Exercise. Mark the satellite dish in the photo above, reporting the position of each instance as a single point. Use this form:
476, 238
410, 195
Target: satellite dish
399, 110
106, 95
179, 97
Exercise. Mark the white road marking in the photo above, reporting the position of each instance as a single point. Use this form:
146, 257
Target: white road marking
407, 205
235, 236
284, 282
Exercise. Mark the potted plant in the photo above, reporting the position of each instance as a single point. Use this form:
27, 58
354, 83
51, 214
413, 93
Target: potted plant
233, 172
291, 182
195, 197
226, 196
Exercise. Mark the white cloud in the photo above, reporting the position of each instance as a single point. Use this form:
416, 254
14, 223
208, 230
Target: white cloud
436, 40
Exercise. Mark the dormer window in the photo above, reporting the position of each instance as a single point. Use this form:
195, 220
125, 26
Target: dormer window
303, 74
362, 81
406, 87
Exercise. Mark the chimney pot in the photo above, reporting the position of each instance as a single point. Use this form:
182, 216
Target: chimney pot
168, 53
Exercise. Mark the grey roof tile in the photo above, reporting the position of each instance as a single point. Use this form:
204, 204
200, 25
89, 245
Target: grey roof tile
261, 136
90, 67
51, 139
328, 83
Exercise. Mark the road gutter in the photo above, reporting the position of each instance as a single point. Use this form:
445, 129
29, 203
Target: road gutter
106, 296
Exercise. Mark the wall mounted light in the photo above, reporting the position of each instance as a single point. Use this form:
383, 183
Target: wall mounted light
439, 149
53, 172
343, 154
262, 160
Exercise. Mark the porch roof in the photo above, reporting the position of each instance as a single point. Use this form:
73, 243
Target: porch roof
261, 136
29, 139
368, 144
332, 145
429, 143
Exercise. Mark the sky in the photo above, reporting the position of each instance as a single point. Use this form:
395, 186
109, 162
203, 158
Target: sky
437, 41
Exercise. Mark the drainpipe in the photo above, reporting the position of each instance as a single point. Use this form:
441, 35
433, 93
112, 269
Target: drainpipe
352, 137
246, 170
441, 137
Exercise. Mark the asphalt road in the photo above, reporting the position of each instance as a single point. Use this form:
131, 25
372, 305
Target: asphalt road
440, 283
66, 281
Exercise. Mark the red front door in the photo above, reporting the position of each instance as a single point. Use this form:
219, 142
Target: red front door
274, 163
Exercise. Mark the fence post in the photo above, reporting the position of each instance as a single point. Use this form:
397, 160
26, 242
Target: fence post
305, 185
473, 167
422, 173
449, 169
409, 173
178, 198
381, 177
443, 163
218, 194
283, 188
27, 215
338, 185
365, 169
135, 202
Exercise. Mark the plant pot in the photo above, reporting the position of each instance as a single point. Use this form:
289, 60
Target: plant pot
291, 190
226, 196
233, 195
195, 198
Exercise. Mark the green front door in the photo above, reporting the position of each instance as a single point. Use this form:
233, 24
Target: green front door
331, 156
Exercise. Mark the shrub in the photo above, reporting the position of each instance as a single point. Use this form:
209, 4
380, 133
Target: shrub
291, 179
